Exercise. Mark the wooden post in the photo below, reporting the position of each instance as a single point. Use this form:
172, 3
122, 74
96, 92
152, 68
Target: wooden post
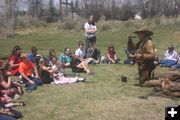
72, 7
66, 7
67, 4
60, 10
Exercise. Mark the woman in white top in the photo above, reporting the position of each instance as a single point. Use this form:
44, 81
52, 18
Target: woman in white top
90, 29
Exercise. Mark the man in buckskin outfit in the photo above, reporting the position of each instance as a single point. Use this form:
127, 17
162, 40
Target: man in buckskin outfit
145, 53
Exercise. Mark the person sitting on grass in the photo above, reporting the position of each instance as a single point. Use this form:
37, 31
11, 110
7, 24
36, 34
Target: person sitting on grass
177, 65
111, 55
52, 54
14, 60
79, 66
130, 51
93, 55
170, 57
81, 52
36, 63
6, 84
9, 102
26, 68
9, 114
65, 58
32, 55
53, 59
57, 76
45, 70
6, 112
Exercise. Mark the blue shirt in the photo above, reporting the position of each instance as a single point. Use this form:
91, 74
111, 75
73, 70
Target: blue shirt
31, 57
65, 58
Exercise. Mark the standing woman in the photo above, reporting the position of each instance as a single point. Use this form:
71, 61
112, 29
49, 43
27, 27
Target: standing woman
90, 29
14, 60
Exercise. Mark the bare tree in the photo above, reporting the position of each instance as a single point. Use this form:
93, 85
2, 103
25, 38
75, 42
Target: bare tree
36, 8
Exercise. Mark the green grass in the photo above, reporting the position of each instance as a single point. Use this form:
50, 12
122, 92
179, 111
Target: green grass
103, 96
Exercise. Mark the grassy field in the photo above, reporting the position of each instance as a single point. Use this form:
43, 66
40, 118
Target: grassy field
103, 96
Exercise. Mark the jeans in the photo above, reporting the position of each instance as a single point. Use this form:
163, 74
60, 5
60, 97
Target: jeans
176, 66
7, 117
109, 61
28, 84
167, 63
129, 60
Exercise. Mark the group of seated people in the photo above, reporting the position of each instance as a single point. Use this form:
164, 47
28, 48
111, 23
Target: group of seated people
34, 70
171, 59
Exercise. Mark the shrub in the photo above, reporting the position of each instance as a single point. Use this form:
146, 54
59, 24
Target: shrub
105, 27
69, 25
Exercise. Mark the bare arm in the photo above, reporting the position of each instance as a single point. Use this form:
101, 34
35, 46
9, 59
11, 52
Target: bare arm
110, 58
7, 112
25, 77
5, 84
90, 31
13, 65
115, 57
36, 72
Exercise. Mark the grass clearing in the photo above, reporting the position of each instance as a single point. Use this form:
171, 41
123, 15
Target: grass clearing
103, 96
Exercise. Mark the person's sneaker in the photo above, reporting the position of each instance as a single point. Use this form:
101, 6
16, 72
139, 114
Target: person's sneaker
56, 82
33, 87
81, 79
28, 90
16, 96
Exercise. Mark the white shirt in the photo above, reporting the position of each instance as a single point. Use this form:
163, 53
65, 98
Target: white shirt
90, 27
171, 55
54, 67
80, 53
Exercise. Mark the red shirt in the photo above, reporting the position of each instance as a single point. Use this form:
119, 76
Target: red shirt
111, 54
16, 60
26, 68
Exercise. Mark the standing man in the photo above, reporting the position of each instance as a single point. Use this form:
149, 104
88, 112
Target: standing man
90, 29
145, 53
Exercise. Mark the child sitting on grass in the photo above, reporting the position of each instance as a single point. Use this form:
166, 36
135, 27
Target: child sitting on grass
14, 60
79, 66
9, 102
9, 114
52, 54
65, 58
81, 52
26, 68
111, 55
93, 54
33, 54
45, 70
57, 76
6, 84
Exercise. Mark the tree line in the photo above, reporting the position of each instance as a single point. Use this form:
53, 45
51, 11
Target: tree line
49, 10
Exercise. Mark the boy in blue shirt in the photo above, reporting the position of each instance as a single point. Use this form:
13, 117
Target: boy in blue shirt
65, 58
32, 55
